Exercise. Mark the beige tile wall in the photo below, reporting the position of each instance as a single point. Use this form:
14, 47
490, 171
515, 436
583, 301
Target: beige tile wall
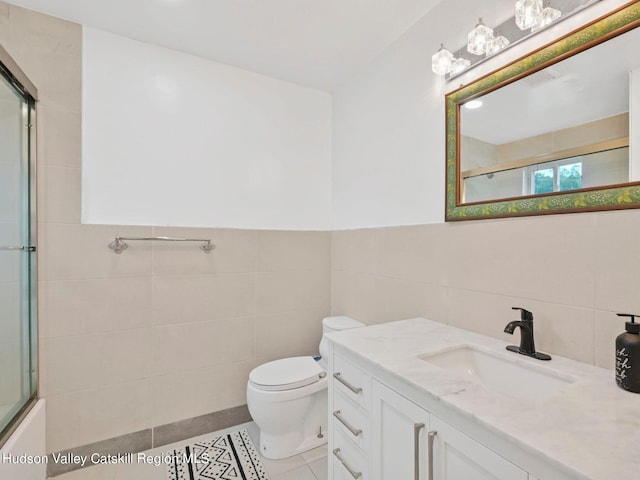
162, 332
166, 332
573, 271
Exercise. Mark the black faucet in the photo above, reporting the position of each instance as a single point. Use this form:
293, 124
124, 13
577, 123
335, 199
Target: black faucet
527, 346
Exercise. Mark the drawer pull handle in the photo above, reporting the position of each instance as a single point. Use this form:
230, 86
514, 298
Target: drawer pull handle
416, 450
354, 474
355, 431
431, 436
338, 377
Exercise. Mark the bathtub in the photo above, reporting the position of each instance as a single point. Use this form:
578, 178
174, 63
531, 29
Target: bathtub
23, 456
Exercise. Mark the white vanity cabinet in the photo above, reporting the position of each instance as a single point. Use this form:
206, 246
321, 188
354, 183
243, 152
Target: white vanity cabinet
350, 422
457, 456
408, 443
399, 436
379, 434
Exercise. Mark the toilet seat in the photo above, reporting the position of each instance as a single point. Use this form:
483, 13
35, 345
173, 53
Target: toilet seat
286, 374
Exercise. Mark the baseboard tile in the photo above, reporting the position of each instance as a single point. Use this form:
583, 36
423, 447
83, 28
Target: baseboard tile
129, 443
193, 427
149, 438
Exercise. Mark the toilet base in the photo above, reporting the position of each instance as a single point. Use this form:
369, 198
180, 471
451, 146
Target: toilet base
269, 445
290, 426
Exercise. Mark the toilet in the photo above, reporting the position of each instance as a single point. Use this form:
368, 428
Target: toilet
287, 398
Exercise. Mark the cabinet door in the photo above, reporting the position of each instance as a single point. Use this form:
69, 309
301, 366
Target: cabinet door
458, 457
398, 440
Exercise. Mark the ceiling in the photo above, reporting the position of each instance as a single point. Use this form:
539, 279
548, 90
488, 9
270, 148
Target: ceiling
316, 43
589, 86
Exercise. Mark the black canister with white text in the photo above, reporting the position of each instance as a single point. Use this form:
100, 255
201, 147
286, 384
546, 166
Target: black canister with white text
628, 356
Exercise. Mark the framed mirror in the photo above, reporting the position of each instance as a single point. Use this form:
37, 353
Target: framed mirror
549, 133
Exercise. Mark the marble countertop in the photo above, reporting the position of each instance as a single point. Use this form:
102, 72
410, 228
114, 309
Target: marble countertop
590, 428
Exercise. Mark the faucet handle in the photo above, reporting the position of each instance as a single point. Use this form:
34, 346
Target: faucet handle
525, 315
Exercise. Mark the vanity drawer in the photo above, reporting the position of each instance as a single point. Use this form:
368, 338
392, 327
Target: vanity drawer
347, 460
351, 381
351, 420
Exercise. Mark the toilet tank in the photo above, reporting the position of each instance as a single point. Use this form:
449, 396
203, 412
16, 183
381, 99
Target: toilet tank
336, 324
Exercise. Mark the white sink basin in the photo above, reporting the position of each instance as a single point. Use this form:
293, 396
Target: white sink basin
500, 373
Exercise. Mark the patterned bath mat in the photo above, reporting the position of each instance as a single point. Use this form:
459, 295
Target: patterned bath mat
227, 457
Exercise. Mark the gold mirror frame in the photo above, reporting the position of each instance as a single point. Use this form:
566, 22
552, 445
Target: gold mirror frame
612, 197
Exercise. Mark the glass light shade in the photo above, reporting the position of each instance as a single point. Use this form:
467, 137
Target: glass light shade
459, 65
497, 44
442, 61
528, 13
478, 39
549, 15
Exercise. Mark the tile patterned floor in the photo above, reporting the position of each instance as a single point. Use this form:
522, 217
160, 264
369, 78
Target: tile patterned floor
311, 465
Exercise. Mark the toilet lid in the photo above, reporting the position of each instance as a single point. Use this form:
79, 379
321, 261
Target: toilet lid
286, 374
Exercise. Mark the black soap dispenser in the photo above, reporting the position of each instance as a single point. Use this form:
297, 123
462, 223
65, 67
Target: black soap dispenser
628, 356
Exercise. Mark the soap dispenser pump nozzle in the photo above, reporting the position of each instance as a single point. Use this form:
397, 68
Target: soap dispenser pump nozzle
632, 326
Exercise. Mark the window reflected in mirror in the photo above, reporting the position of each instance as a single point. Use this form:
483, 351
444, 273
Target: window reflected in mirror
609, 167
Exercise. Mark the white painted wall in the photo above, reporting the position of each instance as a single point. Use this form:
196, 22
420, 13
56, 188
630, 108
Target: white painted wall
29, 440
388, 138
389, 120
172, 139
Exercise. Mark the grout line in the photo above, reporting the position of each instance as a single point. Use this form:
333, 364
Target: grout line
596, 265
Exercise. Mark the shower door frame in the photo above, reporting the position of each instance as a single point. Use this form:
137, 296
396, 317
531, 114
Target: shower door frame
21, 83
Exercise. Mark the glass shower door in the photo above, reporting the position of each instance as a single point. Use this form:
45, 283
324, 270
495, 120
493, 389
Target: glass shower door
17, 253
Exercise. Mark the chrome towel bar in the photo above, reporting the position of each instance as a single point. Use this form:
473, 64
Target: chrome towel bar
119, 245
24, 248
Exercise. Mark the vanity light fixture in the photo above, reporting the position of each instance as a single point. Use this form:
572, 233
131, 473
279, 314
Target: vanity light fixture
497, 44
479, 38
548, 16
483, 42
528, 13
459, 65
442, 61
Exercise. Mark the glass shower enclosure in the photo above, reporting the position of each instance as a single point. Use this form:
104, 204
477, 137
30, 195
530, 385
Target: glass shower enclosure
18, 348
